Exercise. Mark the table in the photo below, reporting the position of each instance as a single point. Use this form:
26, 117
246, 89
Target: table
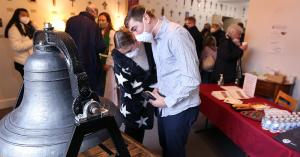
135, 149
244, 132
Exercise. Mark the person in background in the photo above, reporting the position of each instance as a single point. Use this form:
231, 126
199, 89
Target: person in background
107, 31
190, 23
218, 33
19, 31
86, 34
177, 91
135, 71
243, 33
229, 52
209, 53
206, 30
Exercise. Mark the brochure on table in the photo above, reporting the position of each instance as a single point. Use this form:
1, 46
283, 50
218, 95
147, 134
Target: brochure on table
234, 92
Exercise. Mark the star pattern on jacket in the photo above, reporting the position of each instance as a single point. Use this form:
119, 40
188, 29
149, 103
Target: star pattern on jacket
127, 95
132, 80
121, 79
142, 121
139, 90
145, 102
125, 70
123, 110
136, 84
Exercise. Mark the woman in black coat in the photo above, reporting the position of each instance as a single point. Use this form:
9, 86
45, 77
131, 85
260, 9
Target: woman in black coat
135, 71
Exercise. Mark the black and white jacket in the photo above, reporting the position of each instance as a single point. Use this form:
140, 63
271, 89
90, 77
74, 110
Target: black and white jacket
132, 81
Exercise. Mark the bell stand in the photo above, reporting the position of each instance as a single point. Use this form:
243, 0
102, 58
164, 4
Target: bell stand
92, 126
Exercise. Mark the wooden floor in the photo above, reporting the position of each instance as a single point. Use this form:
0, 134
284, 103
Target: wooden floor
135, 149
3, 112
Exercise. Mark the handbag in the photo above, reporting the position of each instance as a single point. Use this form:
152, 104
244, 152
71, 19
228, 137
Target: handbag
208, 63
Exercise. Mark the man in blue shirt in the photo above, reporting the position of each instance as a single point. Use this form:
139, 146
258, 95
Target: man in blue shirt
178, 78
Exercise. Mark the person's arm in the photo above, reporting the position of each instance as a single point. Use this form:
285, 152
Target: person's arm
109, 60
184, 50
123, 75
18, 42
231, 52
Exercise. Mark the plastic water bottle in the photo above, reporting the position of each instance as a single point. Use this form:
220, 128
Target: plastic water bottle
293, 123
287, 124
281, 125
266, 123
298, 122
274, 128
221, 80
236, 82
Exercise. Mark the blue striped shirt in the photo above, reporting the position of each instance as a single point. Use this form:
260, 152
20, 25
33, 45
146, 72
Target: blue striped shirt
177, 64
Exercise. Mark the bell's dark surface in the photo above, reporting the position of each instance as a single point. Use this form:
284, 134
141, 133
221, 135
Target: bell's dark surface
43, 124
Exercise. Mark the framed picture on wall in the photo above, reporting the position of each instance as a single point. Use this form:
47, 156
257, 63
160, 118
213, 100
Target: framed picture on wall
132, 3
187, 14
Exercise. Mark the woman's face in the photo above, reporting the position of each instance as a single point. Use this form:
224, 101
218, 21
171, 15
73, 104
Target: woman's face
129, 48
24, 17
23, 14
102, 21
126, 49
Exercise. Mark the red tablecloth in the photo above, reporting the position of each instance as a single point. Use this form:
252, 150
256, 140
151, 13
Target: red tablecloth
244, 132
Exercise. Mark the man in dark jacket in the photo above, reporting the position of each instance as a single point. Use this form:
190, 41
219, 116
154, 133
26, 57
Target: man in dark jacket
86, 34
190, 25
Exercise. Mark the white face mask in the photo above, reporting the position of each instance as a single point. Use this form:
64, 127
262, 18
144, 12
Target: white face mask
212, 30
133, 53
25, 20
146, 36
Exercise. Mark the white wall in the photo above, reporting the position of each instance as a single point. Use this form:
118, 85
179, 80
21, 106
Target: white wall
235, 10
42, 11
10, 79
262, 16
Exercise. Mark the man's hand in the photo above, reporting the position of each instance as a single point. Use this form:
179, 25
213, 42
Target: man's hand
160, 101
244, 46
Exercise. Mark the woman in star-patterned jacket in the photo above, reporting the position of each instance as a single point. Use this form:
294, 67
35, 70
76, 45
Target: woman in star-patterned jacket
135, 71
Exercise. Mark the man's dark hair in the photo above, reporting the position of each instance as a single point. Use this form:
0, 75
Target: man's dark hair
137, 12
190, 18
241, 24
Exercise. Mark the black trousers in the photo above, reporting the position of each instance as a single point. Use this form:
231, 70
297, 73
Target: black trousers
20, 68
135, 133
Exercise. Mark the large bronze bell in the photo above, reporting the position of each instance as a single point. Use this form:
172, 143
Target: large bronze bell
55, 88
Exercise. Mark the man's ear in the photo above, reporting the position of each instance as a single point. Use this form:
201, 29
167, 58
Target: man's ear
147, 18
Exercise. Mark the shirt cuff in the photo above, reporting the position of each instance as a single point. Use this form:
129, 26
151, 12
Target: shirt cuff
155, 85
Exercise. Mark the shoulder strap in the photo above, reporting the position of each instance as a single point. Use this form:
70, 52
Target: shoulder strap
150, 58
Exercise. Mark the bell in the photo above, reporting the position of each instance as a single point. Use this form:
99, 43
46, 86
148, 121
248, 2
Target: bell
43, 123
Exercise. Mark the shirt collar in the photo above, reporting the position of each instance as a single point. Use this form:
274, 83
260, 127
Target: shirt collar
163, 27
